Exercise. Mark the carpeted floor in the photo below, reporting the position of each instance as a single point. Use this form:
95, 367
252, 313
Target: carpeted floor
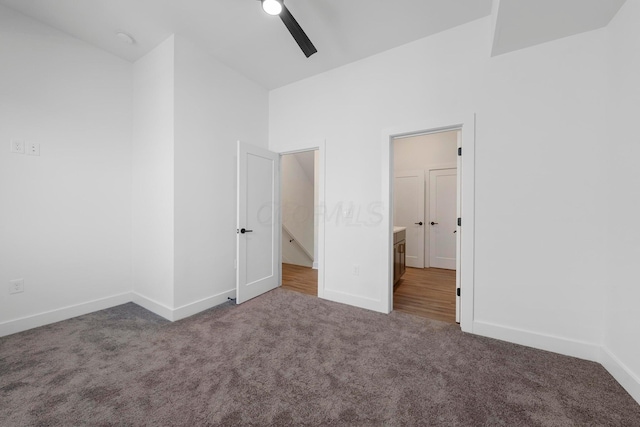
291, 359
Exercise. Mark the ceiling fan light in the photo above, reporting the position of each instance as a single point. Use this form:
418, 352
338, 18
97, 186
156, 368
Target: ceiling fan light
272, 7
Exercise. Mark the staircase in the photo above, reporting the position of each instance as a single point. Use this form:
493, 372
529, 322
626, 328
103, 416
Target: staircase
293, 252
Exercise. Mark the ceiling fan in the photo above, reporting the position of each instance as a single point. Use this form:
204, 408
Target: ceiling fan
277, 7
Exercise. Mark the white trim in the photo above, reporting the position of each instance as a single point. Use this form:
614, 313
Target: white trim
353, 300
320, 146
466, 123
64, 313
152, 305
60, 314
568, 347
621, 373
196, 307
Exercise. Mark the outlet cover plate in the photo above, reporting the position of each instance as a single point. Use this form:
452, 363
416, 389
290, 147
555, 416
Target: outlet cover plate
356, 269
17, 146
33, 149
16, 286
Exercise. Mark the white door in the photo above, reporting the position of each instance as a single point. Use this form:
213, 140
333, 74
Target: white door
408, 211
443, 218
258, 239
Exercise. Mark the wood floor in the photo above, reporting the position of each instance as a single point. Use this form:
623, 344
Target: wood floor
300, 279
427, 292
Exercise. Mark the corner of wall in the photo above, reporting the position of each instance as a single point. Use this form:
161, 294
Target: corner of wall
618, 370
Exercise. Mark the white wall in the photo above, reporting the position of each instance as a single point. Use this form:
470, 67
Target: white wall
539, 230
65, 222
423, 152
153, 176
214, 107
298, 205
539, 128
622, 177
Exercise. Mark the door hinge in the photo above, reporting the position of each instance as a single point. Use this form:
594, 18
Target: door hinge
459, 222
459, 151
458, 291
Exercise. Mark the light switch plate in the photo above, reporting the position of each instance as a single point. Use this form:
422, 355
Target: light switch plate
33, 149
16, 286
17, 146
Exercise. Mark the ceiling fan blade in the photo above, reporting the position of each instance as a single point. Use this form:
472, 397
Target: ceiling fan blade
296, 31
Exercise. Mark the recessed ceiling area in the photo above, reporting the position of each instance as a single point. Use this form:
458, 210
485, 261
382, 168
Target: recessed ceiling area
241, 35
521, 24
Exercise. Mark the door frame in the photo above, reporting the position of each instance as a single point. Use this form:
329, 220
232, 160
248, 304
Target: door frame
316, 145
466, 185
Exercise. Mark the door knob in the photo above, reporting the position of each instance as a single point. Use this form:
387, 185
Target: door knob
418, 223
433, 223
244, 230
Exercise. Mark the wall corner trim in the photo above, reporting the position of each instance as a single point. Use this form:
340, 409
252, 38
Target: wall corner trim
621, 373
152, 305
183, 311
203, 304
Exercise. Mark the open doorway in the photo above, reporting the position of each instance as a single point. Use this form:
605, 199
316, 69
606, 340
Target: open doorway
425, 211
299, 198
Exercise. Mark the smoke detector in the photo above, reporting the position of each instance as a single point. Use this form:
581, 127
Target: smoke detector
125, 38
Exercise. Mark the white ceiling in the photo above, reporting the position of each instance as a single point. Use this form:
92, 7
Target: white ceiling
241, 35
522, 24
255, 44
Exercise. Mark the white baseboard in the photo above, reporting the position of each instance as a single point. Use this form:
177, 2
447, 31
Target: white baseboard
568, 347
621, 373
184, 311
204, 304
60, 314
152, 305
354, 300
315, 265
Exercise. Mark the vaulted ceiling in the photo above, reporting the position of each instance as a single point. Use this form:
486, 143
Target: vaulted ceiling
524, 23
259, 46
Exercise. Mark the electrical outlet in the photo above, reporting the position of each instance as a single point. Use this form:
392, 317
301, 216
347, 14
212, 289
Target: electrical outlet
17, 146
16, 286
33, 149
356, 270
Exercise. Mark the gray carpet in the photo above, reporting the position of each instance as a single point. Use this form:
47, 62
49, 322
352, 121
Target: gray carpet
291, 359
